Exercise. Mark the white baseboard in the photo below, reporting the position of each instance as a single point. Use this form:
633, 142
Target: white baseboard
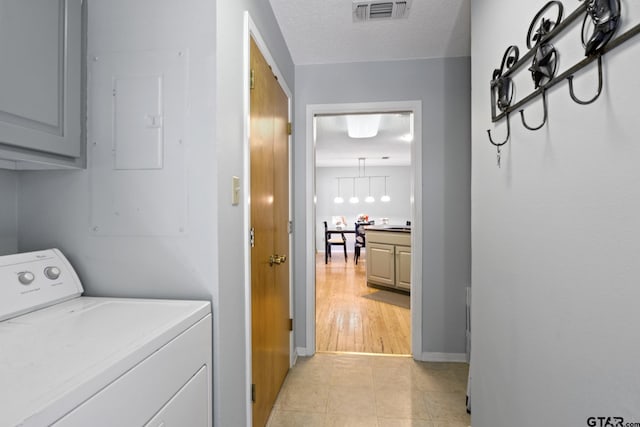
424, 357
443, 357
302, 352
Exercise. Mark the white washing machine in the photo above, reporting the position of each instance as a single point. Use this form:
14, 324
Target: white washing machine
68, 360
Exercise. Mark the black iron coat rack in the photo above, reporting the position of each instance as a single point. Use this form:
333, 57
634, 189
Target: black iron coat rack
600, 17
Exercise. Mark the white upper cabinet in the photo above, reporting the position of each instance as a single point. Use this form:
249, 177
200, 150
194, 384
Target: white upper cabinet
40, 80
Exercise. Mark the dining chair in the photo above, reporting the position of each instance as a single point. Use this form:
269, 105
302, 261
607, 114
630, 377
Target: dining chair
360, 239
330, 241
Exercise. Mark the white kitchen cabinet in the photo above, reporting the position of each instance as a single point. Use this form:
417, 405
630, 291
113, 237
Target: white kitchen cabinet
403, 267
381, 264
389, 258
40, 83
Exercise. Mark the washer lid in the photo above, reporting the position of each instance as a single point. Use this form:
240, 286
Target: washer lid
53, 359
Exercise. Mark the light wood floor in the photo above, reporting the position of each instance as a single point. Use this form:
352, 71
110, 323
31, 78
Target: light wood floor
345, 321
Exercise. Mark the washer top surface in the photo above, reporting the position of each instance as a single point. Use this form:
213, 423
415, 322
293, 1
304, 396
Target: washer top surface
64, 353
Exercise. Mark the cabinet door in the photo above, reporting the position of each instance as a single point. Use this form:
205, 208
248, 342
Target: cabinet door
40, 76
403, 267
380, 264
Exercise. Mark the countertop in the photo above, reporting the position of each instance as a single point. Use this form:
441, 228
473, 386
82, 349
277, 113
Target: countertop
390, 227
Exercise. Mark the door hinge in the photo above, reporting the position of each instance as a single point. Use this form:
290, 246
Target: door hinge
252, 237
253, 393
252, 80
290, 227
289, 126
290, 324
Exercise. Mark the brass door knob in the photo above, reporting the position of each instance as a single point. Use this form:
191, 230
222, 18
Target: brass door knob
277, 259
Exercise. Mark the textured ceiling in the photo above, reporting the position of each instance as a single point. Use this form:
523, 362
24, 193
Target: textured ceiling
323, 32
335, 148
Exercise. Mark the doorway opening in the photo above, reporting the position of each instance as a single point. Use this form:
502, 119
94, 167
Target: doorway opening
365, 293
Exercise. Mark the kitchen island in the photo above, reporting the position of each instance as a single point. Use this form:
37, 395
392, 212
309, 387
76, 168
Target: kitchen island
389, 256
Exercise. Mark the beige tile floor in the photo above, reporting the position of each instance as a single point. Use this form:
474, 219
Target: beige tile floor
368, 390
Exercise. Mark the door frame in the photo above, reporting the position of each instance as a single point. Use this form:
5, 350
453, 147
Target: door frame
251, 30
312, 110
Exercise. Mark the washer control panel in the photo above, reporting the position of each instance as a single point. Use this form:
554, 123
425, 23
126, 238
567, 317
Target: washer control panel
33, 280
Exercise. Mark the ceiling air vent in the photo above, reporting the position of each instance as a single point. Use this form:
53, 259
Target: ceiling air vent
380, 10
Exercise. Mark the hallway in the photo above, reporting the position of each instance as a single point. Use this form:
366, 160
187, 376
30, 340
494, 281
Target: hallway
348, 318
369, 391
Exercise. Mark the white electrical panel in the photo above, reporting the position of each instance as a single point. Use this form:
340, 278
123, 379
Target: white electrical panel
136, 142
137, 122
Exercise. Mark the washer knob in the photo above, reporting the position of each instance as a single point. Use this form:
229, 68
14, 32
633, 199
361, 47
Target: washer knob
52, 273
26, 277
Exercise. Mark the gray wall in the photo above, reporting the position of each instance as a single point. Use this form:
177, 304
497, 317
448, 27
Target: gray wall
556, 236
55, 207
443, 86
8, 212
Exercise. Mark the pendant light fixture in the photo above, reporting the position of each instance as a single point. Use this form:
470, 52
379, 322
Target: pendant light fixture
362, 174
369, 198
338, 200
385, 198
354, 199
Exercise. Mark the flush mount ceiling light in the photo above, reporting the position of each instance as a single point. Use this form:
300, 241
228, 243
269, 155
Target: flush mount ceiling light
363, 125
363, 11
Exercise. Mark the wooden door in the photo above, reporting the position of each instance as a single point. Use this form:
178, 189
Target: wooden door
281, 224
270, 251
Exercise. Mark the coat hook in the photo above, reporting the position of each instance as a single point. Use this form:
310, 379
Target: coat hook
579, 101
506, 139
544, 120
